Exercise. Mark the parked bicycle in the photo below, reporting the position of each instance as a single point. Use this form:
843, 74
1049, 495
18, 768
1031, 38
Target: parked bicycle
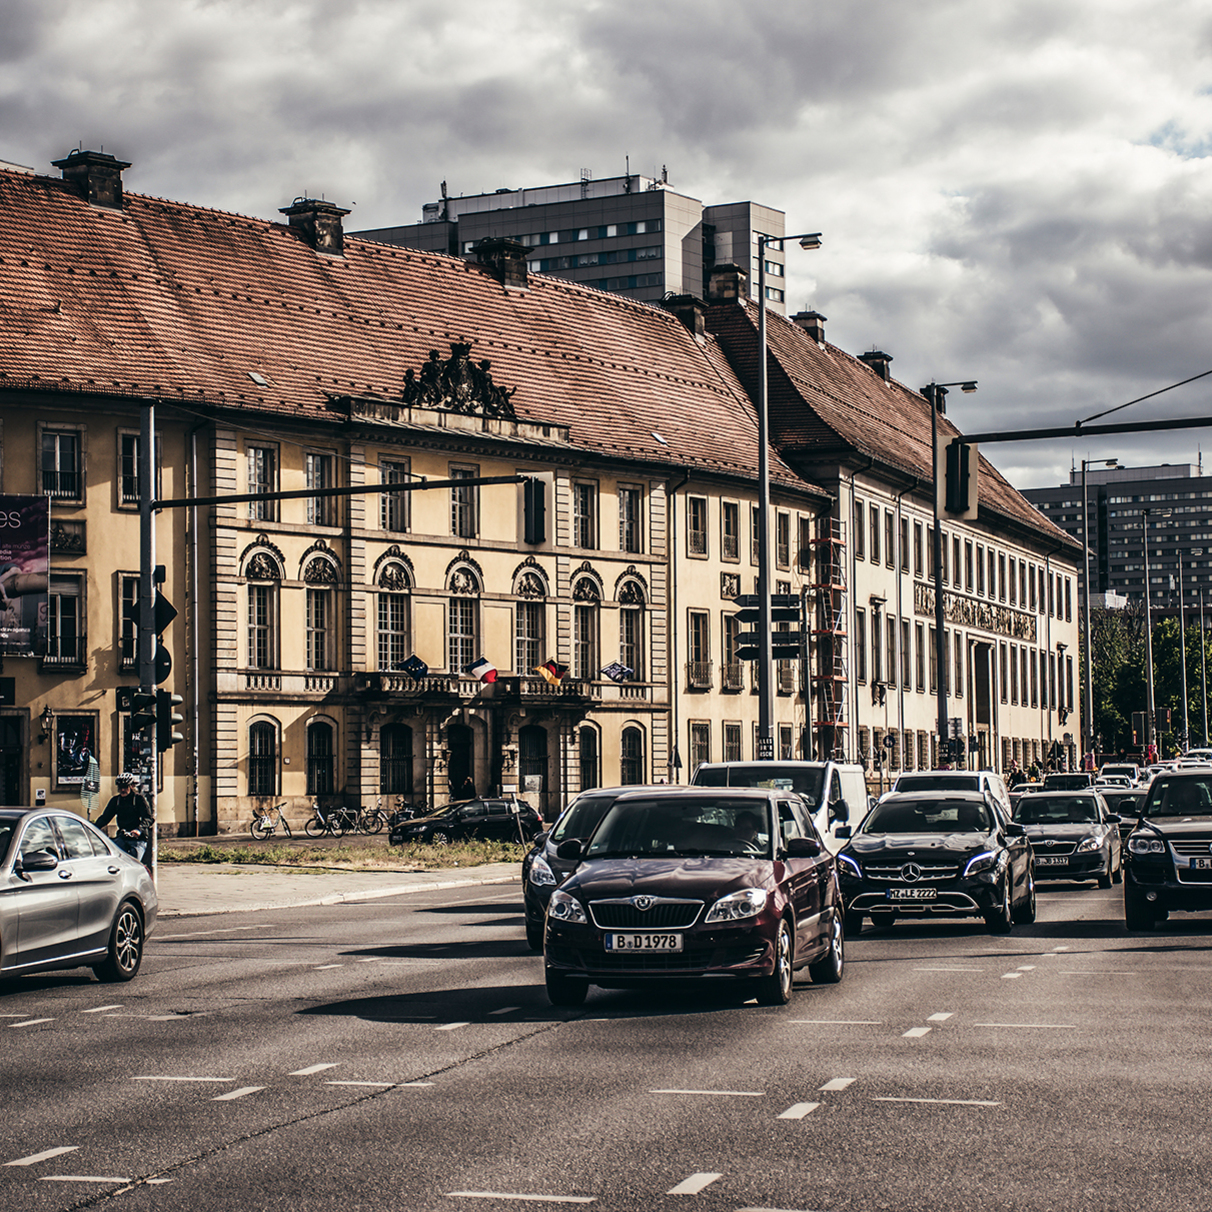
269, 821
331, 822
372, 820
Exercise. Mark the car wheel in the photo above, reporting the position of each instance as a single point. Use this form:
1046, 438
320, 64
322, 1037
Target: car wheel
1104, 880
1001, 919
882, 919
565, 991
1025, 913
534, 935
829, 968
125, 946
440, 837
775, 989
854, 923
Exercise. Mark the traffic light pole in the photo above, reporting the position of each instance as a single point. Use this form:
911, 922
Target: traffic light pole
932, 394
147, 605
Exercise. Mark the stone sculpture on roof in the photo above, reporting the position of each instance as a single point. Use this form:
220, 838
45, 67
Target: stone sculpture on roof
459, 385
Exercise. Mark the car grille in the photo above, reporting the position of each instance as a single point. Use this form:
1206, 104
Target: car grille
1057, 848
1192, 847
890, 873
665, 913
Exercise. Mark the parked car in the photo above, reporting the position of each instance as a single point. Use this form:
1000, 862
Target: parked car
69, 898
979, 781
938, 854
1120, 781
680, 882
1068, 780
1129, 770
1074, 836
542, 867
494, 820
1169, 860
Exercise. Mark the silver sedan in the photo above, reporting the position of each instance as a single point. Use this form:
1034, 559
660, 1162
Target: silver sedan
69, 898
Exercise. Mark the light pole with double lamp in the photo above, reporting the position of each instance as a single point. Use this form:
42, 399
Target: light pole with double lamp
1150, 722
936, 394
1088, 713
765, 661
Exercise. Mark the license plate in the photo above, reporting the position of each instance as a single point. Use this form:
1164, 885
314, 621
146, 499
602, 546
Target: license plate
1054, 860
912, 894
643, 942
1204, 864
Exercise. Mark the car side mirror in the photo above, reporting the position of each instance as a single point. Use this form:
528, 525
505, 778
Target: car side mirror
842, 831
540, 839
569, 850
1014, 829
802, 847
1113, 818
37, 860
839, 810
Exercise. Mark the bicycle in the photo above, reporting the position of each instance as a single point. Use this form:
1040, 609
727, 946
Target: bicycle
267, 822
372, 820
331, 822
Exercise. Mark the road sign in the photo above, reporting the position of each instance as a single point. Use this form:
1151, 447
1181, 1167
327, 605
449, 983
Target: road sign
765, 749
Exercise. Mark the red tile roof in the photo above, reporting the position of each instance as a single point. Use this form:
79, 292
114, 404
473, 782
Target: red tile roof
179, 302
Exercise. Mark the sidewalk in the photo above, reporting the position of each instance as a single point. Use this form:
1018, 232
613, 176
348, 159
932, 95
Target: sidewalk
190, 889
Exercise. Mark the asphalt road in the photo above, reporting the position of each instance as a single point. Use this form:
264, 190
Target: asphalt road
401, 1054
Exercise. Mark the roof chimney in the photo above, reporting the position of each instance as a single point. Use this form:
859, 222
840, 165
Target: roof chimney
727, 283
97, 175
318, 224
690, 310
878, 361
505, 259
813, 323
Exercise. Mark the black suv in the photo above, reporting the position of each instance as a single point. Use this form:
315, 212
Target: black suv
938, 854
1168, 863
495, 820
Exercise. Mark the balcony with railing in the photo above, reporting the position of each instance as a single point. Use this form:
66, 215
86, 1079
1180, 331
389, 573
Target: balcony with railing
698, 675
732, 675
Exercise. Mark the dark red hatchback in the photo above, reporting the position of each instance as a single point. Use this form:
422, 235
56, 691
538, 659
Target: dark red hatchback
681, 882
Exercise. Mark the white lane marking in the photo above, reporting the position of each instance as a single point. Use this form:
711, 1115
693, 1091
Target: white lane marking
941, 1017
720, 1093
161, 1078
694, 1184
31, 1022
322, 967
838, 1022
1026, 967
102, 1009
505, 1010
1064, 948
34, 1158
799, 1110
539, 1199
380, 1085
162, 1018
952, 1102
14, 1016
369, 960
948, 969
838, 1083
80, 1178
169, 938
416, 1083
310, 1070
916, 1032
451, 1026
243, 1090
157, 1182
1033, 1026
1011, 976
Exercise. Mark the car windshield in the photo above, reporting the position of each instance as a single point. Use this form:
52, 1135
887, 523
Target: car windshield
775, 776
7, 829
683, 827
937, 782
1055, 809
928, 816
1066, 782
1180, 795
582, 817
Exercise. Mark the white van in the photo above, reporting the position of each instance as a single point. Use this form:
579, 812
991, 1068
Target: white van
835, 792
985, 781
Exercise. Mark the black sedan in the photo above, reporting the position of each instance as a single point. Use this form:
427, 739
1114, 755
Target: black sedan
69, 898
695, 882
1073, 836
495, 820
939, 854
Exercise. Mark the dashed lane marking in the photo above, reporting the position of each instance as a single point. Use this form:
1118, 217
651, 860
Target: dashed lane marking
379, 1085
505, 1010
310, 1070
916, 1032
941, 1017
1026, 967
799, 1110
243, 1090
694, 1184
81, 1178
539, 1199
416, 1083
46, 1155
322, 967
31, 1022
102, 1009
838, 1083
1011, 976
953, 1102
717, 1093
451, 1026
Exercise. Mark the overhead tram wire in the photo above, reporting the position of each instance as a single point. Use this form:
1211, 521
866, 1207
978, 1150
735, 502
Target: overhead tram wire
1139, 399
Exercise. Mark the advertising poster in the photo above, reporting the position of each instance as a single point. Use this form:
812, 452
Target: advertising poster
75, 748
24, 572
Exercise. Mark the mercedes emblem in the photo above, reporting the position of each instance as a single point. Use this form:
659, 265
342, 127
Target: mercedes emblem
911, 873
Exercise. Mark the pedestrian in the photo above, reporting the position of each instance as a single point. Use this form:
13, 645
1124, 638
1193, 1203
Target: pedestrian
133, 817
468, 790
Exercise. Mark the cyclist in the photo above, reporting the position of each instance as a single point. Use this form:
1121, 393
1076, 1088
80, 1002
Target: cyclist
134, 817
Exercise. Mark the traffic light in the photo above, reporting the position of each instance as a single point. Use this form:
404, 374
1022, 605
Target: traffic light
167, 719
961, 748
142, 709
960, 496
785, 644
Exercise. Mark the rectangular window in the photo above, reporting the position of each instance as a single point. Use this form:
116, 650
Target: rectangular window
968, 578
731, 678
860, 530
875, 534
1068, 600
319, 629
631, 640
1014, 675
890, 630
786, 744
732, 742
889, 538
631, 531
699, 638
62, 464
465, 504
1023, 666
128, 639
906, 655
928, 571
782, 539
696, 526
128, 470
1001, 577
959, 666
980, 569
1012, 577
261, 646
585, 515
700, 743
860, 645
1069, 680
992, 574
262, 477
905, 545
393, 630
877, 644
933, 661
394, 511
462, 638
65, 621
529, 636
804, 557
956, 567
585, 642
1002, 671
1034, 678
321, 511
730, 530
920, 636
755, 536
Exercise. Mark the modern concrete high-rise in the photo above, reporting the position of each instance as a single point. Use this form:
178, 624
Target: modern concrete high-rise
631, 235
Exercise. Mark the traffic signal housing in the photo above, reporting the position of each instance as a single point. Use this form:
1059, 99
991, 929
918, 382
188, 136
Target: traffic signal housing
167, 718
785, 643
534, 511
143, 709
960, 465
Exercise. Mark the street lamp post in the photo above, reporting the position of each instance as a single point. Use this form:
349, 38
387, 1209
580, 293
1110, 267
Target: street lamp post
1203, 658
1088, 713
935, 394
1182, 638
765, 662
1149, 723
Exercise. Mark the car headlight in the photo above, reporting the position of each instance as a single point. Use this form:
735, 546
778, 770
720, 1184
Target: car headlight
541, 873
1146, 845
849, 866
565, 908
987, 860
1088, 844
737, 906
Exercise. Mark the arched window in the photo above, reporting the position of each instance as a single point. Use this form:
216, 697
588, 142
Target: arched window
589, 757
631, 629
321, 758
463, 621
631, 764
395, 759
320, 575
529, 617
586, 597
394, 639
263, 577
263, 758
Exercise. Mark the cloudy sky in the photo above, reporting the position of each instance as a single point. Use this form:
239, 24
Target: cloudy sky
1019, 192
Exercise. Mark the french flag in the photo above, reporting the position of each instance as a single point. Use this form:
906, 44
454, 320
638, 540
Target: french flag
483, 669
